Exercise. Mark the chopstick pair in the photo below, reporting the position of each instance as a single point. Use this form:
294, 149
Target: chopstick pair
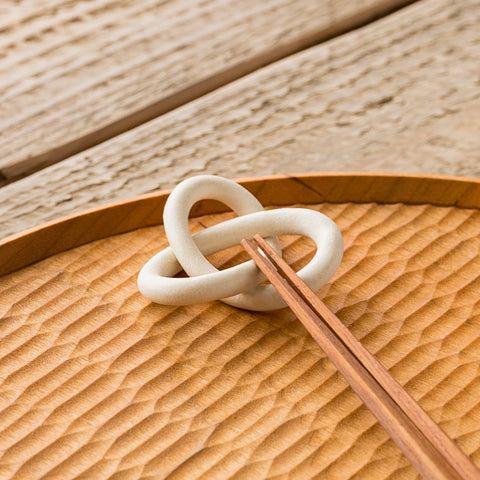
422, 441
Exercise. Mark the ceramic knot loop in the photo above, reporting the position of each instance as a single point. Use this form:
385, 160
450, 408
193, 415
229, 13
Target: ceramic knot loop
238, 286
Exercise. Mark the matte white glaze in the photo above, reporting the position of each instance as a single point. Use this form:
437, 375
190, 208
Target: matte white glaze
237, 286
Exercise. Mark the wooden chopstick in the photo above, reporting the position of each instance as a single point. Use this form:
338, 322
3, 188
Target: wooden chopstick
422, 441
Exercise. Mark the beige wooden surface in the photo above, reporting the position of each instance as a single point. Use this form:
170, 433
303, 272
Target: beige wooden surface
73, 74
401, 94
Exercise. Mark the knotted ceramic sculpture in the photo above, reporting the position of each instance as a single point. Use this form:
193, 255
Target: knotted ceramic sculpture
238, 286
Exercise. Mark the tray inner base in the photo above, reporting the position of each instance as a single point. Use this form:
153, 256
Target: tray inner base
97, 382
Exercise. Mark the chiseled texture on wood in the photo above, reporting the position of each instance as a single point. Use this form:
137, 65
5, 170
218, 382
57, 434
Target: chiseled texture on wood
75, 73
99, 383
402, 94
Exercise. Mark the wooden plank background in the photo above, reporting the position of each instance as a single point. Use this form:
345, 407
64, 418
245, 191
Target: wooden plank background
399, 94
73, 74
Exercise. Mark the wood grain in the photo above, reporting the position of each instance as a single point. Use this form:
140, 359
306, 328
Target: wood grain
30, 246
433, 454
401, 94
97, 382
74, 74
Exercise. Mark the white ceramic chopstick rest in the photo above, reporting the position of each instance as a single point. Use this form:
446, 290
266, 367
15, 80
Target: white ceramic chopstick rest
237, 286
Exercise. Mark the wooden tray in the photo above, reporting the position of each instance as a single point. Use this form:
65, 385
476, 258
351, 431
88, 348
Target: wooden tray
97, 382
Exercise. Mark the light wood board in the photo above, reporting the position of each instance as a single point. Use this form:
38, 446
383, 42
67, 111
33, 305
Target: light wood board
401, 94
98, 383
73, 74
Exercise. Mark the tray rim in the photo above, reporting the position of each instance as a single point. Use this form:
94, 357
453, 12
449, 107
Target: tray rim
70, 231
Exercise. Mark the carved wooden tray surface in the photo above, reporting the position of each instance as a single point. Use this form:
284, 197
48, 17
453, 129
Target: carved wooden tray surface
99, 383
